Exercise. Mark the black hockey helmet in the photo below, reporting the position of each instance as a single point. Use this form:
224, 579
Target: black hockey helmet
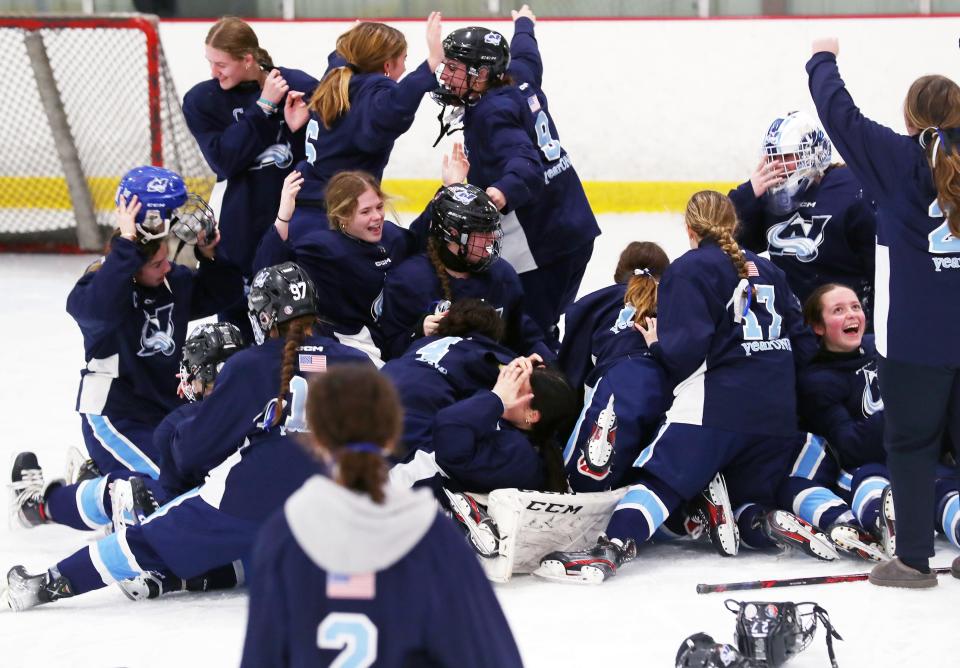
702, 651
278, 294
206, 349
456, 212
476, 48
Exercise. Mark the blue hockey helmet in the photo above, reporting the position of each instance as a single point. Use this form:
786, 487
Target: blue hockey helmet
797, 144
160, 192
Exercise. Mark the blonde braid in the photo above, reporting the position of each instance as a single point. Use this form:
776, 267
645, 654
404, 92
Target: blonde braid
711, 215
434, 256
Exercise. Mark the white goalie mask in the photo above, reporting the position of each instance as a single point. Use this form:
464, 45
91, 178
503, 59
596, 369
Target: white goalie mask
802, 152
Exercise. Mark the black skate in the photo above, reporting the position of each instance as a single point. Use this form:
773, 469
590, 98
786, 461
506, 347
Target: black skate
132, 502
26, 591
154, 584
712, 511
790, 531
854, 540
481, 529
28, 491
888, 522
588, 566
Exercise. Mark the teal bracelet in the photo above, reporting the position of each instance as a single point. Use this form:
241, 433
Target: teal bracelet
265, 101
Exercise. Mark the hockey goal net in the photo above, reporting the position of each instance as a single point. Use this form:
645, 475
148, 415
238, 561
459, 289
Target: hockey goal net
86, 98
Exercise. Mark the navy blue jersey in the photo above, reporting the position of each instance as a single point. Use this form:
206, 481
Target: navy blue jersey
251, 153
598, 331
412, 291
362, 138
735, 376
830, 238
437, 372
336, 577
245, 385
133, 335
839, 399
514, 146
168, 432
918, 260
347, 272
619, 418
482, 452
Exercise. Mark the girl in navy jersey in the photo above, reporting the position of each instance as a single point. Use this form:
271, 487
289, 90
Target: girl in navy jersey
810, 216
347, 571
359, 109
516, 157
237, 119
726, 332
239, 445
598, 328
461, 261
915, 179
132, 307
349, 258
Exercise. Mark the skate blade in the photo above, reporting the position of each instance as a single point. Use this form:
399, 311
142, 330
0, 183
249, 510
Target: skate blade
555, 572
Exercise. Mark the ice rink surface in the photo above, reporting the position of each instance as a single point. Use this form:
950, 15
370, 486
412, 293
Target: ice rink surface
638, 618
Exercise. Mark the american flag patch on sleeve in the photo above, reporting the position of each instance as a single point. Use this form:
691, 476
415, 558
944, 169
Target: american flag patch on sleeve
752, 269
315, 363
533, 103
352, 585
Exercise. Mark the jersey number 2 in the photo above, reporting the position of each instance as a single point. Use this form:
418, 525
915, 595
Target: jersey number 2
352, 633
941, 240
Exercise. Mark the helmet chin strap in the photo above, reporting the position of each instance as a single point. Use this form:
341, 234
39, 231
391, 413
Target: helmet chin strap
452, 261
449, 123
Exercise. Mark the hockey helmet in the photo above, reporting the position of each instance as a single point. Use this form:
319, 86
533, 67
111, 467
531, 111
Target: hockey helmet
278, 294
477, 49
464, 215
800, 148
206, 349
160, 192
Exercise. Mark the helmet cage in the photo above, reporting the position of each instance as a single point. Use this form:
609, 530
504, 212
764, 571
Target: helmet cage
192, 219
801, 152
278, 294
204, 354
478, 50
460, 215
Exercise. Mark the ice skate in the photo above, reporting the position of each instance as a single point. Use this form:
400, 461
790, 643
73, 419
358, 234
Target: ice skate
132, 502
26, 591
856, 541
481, 529
790, 531
888, 528
591, 566
28, 491
713, 511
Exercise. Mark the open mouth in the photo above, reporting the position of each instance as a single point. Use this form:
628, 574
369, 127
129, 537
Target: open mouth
852, 329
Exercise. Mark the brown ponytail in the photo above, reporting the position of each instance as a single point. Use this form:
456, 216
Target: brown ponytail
235, 37
295, 331
933, 106
349, 405
711, 215
434, 256
365, 47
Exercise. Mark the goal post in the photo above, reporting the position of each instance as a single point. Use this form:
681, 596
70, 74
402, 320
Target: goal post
90, 97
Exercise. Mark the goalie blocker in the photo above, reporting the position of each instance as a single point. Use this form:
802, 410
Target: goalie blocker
532, 524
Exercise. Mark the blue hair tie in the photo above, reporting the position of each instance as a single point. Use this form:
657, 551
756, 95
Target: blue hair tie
364, 447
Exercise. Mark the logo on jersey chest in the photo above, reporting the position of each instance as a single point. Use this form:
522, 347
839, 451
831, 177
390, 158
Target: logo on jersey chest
277, 155
156, 336
624, 319
798, 237
872, 402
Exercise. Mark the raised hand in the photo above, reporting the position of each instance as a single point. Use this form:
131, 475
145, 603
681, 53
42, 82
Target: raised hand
434, 41
765, 176
274, 87
127, 217
455, 166
826, 44
295, 111
524, 11
497, 197
513, 378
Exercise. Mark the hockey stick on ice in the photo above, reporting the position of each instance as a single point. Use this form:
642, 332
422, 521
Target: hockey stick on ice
790, 582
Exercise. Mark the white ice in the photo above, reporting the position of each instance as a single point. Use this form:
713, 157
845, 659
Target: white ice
638, 618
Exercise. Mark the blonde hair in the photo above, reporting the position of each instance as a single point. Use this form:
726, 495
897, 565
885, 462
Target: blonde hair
933, 104
342, 193
711, 215
236, 38
365, 47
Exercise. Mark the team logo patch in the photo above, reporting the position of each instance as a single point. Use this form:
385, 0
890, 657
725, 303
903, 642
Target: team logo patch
595, 459
277, 155
158, 185
493, 38
798, 237
461, 194
156, 336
